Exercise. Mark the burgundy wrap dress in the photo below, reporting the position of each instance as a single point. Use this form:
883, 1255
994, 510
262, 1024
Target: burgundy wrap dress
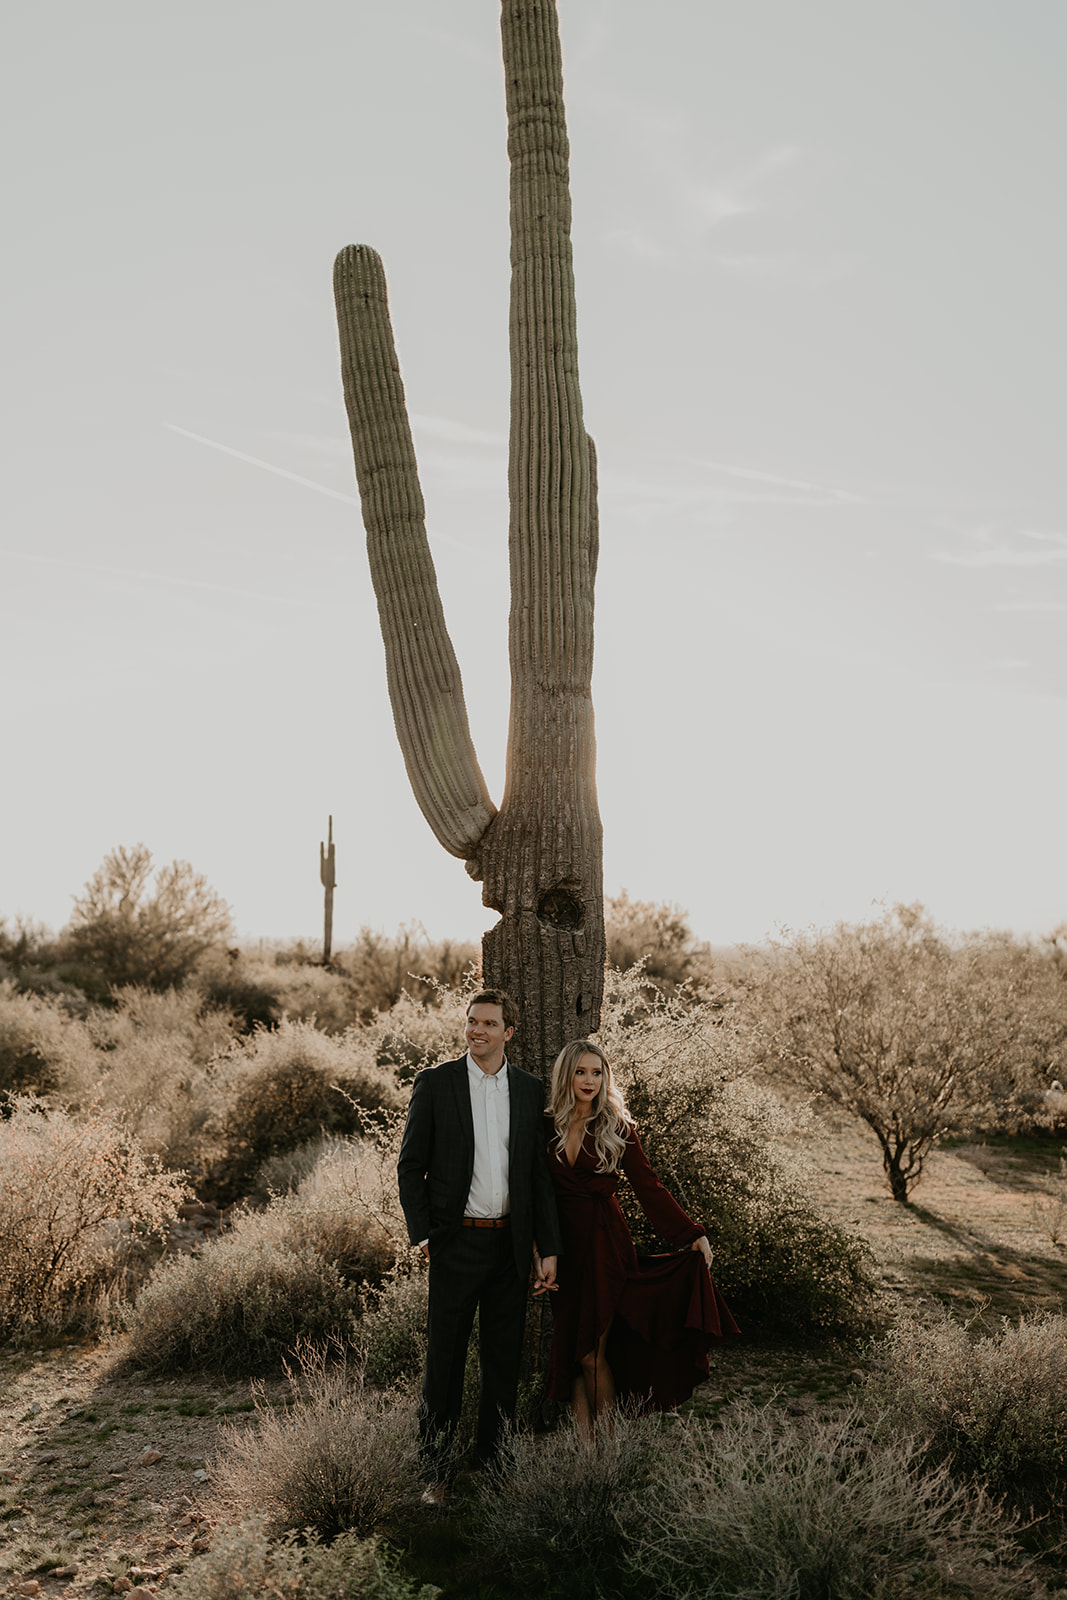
663, 1311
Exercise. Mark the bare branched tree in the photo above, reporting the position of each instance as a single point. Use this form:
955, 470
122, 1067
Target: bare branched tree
131, 936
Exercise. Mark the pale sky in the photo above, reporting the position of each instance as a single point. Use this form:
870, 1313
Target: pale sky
820, 254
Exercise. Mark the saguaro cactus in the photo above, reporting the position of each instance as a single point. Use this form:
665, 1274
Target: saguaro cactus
328, 878
539, 857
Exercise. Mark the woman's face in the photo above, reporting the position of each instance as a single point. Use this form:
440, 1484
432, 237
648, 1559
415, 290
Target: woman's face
588, 1077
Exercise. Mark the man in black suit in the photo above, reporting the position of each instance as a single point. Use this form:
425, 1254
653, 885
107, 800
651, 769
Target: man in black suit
477, 1198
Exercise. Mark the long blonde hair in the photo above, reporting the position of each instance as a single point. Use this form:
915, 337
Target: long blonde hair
609, 1120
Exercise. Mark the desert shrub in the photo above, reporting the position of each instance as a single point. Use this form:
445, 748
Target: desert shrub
346, 1208
240, 1306
759, 1507
131, 936
296, 1270
150, 1066
656, 936
381, 968
392, 1333
65, 1185
40, 1043
764, 1507
718, 1142
417, 1033
284, 1087
559, 1512
338, 1457
244, 1564
994, 1404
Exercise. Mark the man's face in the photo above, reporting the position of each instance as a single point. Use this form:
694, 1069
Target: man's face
486, 1033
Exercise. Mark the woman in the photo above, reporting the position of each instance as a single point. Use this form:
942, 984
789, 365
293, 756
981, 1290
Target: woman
640, 1329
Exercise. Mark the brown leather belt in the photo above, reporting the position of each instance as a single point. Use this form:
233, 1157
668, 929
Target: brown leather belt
487, 1222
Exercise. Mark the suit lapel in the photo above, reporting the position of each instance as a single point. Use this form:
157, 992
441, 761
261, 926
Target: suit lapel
462, 1091
517, 1118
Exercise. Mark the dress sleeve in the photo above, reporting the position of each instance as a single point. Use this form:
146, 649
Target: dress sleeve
665, 1214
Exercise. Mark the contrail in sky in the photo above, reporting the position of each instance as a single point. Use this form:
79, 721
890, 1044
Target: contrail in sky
294, 477
268, 466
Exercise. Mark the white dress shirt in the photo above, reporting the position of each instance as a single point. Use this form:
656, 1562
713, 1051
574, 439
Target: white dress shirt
491, 1108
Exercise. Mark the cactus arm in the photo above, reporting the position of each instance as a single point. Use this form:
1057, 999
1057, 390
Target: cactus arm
425, 689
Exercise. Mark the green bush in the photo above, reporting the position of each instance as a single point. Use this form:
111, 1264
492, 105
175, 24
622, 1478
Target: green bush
718, 1142
68, 1189
244, 1564
338, 1457
993, 1404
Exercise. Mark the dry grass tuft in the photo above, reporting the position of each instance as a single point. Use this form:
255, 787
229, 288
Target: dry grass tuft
340, 1457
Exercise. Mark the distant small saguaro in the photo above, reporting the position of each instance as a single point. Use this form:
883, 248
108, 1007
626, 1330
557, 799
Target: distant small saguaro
328, 875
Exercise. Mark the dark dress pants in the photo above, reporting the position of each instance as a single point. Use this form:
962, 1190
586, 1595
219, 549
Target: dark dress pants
475, 1271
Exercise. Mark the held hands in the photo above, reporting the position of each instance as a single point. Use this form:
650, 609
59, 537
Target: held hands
704, 1247
544, 1274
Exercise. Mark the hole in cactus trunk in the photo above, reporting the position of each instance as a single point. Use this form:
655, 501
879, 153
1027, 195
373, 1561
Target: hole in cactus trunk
560, 907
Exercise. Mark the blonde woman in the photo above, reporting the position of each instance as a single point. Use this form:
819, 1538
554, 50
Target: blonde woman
620, 1326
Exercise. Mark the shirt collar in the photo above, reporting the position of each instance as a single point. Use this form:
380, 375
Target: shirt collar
475, 1074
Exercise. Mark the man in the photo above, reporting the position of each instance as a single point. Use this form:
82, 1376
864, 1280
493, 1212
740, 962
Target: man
478, 1200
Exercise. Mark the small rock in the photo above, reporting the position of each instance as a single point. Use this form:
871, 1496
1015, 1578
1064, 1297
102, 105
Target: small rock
121, 1586
8, 1474
31, 1586
200, 1545
140, 1593
857, 1378
63, 1572
86, 1498
146, 1572
34, 1411
148, 1457
188, 1521
200, 1474
171, 1544
46, 1457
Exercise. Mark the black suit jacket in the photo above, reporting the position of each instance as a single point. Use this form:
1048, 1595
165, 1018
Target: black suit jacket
437, 1161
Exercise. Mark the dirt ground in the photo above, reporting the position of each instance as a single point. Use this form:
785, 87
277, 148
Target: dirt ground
104, 1482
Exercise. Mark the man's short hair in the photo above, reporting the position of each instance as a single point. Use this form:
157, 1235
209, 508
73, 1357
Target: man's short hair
496, 997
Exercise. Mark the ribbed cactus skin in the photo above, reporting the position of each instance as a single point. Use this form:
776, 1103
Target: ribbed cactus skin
540, 857
425, 689
541, 860
328, 879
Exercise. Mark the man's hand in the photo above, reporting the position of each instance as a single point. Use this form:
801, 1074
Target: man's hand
544, 1274
425, 1248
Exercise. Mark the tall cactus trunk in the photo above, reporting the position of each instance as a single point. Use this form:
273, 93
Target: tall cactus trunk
540, 856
